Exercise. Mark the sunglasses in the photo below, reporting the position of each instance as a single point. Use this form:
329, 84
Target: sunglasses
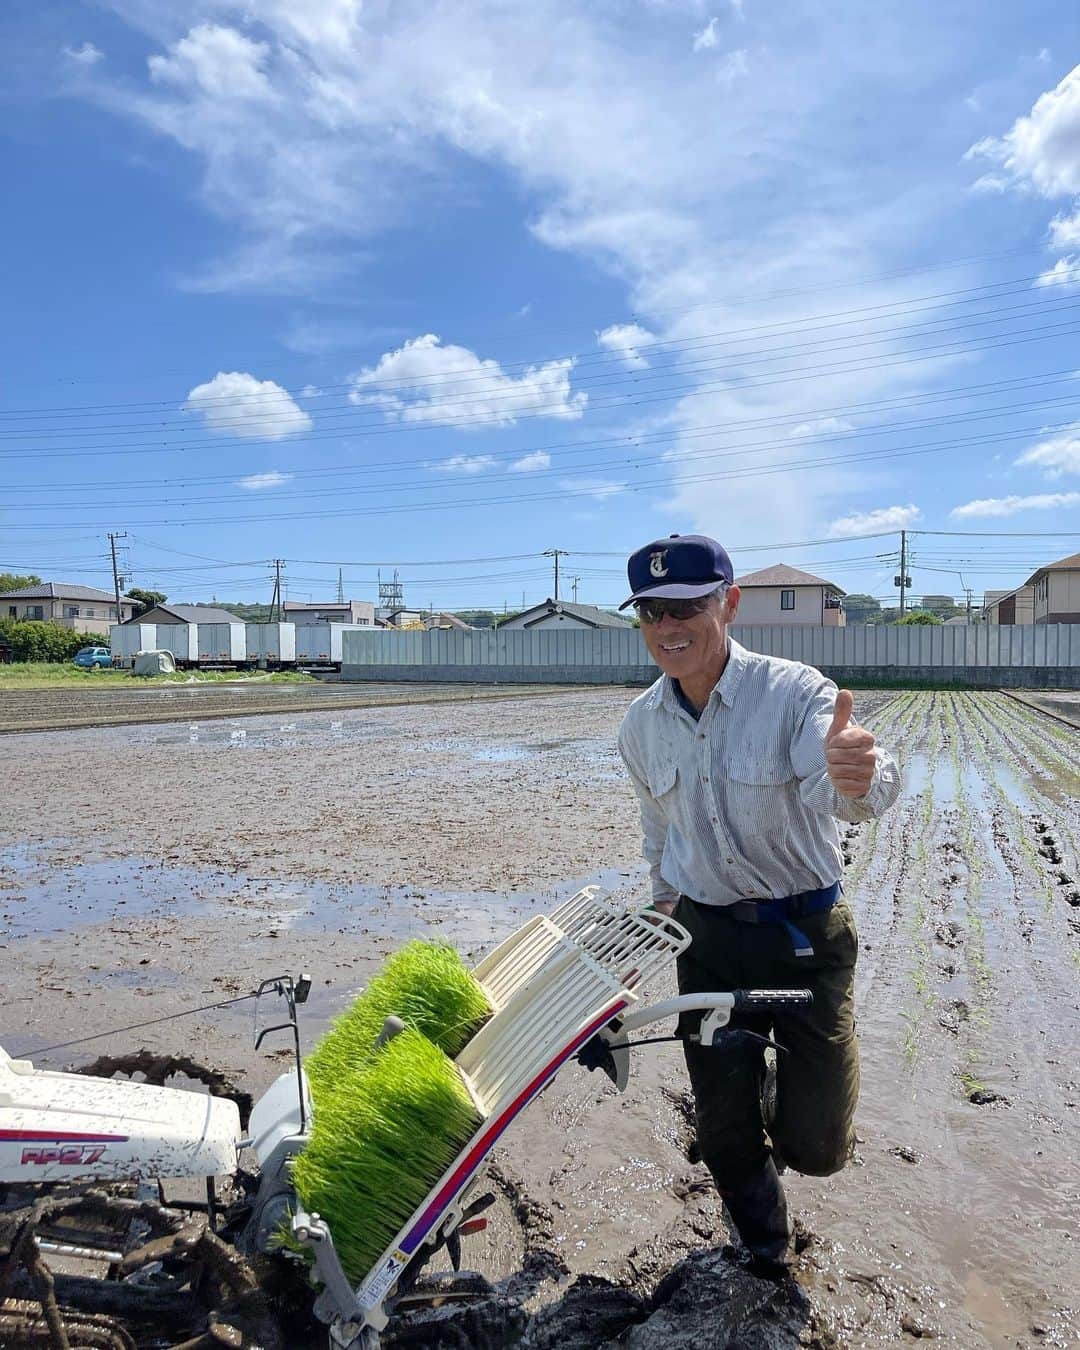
652, 611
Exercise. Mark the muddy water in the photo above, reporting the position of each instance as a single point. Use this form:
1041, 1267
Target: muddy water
321, 842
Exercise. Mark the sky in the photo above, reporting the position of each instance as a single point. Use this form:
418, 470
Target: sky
441, 287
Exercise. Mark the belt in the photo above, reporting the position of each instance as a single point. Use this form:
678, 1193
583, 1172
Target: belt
785, 909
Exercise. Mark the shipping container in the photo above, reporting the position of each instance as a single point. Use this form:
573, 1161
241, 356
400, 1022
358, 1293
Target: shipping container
224, 642
274, 643
320, 643
182, 639
125, 639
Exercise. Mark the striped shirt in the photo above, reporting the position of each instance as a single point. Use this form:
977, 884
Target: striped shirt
738, 804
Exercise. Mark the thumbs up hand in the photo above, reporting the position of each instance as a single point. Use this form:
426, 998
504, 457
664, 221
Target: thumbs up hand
849, 750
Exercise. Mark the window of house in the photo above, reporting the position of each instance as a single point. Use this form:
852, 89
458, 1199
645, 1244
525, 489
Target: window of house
35, 611
787, 599
13, 611
89, 614
71, 611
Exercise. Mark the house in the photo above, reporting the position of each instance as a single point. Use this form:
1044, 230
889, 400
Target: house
188, 614
84, 608
332, 611
563, 614
1056, 591
785, 595
1010, 607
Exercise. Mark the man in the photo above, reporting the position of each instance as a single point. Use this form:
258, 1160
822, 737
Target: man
743, 764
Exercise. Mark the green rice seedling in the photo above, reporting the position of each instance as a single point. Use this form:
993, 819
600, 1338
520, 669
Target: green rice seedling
428, 986
380, 1142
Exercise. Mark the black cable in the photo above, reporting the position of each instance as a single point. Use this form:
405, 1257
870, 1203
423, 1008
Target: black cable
137, 1026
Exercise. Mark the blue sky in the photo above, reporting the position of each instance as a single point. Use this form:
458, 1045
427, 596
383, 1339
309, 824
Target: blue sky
441, 286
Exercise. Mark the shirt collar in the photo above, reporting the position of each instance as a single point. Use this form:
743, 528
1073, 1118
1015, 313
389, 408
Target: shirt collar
726, 687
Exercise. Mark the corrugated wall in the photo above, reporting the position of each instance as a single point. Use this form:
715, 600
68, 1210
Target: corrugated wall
935, 647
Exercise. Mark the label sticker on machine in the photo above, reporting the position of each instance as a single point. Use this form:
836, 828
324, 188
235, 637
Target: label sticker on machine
375, 1289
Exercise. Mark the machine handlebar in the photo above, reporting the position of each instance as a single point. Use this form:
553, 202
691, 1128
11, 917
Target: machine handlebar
770, 1000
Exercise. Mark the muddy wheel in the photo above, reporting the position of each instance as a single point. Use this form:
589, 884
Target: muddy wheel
157, 1069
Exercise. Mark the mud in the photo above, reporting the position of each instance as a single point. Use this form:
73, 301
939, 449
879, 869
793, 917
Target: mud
145, 870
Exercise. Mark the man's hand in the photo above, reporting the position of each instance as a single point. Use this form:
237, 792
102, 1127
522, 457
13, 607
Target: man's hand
849, 751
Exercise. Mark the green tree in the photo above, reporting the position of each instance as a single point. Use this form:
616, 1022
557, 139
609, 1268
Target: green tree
918, 616
146, 599
35, 640
861, 608
12, 581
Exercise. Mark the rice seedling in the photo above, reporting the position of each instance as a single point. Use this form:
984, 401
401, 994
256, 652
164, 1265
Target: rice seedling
380, 1140
428, 986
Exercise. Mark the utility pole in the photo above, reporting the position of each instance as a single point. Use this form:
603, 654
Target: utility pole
903, 580
340, 588
115, 574
575, 585
275, 603
556, 553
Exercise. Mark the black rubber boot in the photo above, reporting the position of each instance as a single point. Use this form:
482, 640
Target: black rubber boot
758, 1209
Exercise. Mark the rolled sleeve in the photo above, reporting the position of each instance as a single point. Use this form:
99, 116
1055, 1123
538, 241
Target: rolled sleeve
654, 823
808, 760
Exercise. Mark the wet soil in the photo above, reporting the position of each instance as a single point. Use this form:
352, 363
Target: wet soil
145, 870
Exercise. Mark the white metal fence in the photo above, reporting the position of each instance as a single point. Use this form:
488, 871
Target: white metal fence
620, 653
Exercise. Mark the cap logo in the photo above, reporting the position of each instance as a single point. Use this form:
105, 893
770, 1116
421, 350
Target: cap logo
656, 563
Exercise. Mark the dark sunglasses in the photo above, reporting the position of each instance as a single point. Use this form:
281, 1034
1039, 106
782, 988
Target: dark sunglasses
652, 611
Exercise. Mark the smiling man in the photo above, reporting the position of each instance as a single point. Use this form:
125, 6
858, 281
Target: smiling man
743, 764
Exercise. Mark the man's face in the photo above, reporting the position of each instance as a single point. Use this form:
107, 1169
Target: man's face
695, 646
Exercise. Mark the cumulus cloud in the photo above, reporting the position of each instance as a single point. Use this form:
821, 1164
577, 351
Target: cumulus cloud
625, 339
1056, 456
86, 55
871, 522
734, 66
257, 482
1065, 272
237, 404
708, 37
1009, 506
425, 381
822, 426
598, 488
538, 459
1065, 231
464, 464
215, 60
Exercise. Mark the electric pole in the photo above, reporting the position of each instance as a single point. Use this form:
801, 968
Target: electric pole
575, 585
115, 574
903, 580
340, 588
275, 603
556, 553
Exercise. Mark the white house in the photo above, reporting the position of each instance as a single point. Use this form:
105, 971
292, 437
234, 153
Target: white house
84, 608
786, 595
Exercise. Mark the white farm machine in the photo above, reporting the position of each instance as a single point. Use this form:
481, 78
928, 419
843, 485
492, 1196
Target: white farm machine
136, 1215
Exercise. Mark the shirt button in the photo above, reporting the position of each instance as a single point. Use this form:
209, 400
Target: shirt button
731, 862
704, 777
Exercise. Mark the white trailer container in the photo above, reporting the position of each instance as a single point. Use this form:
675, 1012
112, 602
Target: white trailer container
320, 643
182, 639
125, 639
274, 643
225, 642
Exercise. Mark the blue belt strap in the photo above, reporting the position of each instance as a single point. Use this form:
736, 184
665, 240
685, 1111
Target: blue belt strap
787, 908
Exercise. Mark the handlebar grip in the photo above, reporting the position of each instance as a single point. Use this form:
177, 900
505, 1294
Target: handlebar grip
770, 1000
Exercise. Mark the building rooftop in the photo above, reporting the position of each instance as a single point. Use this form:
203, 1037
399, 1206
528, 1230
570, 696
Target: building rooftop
189, 614
1069, 564
780, 574
599, 618
63, 590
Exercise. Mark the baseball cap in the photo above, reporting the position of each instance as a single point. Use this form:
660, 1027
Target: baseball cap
681, 567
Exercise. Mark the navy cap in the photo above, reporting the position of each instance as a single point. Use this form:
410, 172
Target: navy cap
681, 568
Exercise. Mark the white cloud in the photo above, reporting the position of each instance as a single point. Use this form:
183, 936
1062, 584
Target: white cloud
216, 61
465, 464
734, 65
237, 404
1009, 506
538, 459
1065, 231
424, 381
598, 488
86, 55
310, 391
1042, 149
708, 37
1056, 456
1044, 55
625, 339
1065, 272
822, 426
256, 482
871, 522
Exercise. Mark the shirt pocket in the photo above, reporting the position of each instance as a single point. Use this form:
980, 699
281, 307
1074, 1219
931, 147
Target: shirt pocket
662, 772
